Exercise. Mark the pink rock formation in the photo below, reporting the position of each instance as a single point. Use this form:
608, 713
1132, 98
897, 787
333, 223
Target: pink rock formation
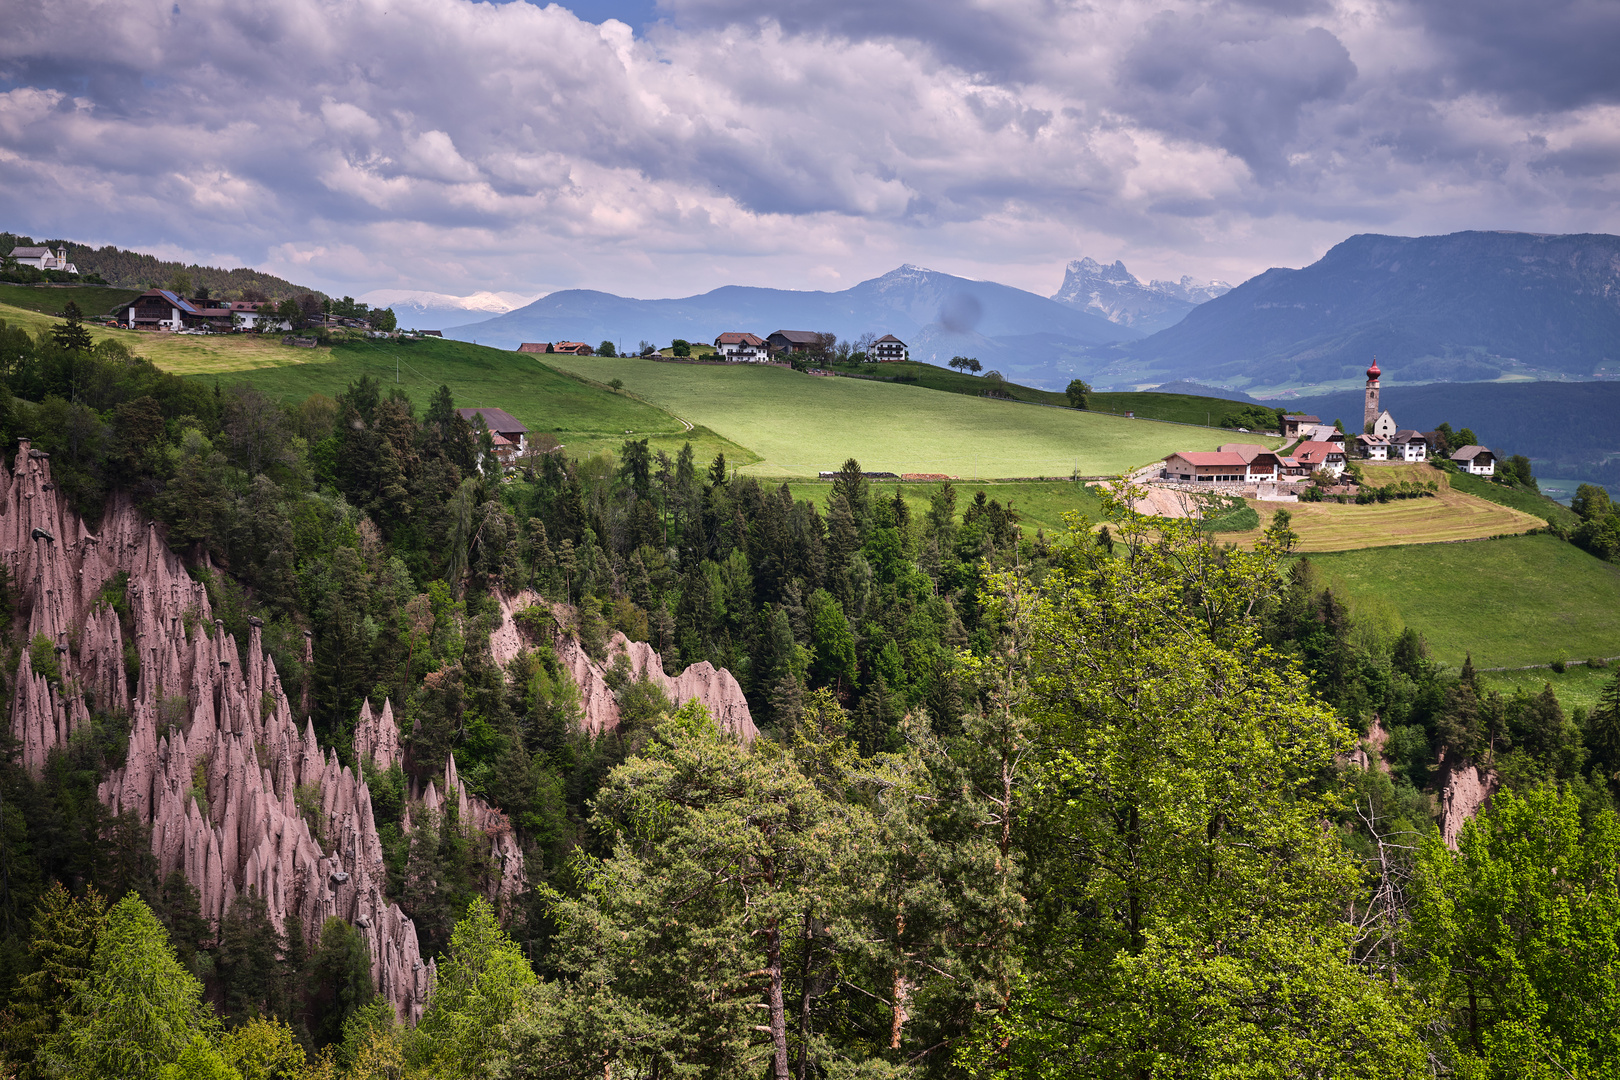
1464, 791
716, 688
376, 737
216, 765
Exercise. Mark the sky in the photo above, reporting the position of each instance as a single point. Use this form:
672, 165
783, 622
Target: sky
665, 147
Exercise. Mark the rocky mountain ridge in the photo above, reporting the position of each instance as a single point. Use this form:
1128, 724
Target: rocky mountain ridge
1120, 297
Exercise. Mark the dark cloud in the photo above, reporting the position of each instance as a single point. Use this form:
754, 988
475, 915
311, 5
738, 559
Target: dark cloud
392, 142
1241, 87
1545, 55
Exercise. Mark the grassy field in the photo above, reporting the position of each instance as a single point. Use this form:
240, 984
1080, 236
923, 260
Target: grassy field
1452, 515
801, 424
93, 300
542, 397
184, 354
1511, 602
1041, 504
1578, 686
1518, 498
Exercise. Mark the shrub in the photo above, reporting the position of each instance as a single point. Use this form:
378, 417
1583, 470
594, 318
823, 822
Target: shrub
1558, 666
42, 658
1597, 663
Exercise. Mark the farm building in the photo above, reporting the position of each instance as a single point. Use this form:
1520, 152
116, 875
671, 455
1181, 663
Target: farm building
889, 349
501, 424
535, 347
1476, 460
794, 341
742, 347
572, 348
1218, 467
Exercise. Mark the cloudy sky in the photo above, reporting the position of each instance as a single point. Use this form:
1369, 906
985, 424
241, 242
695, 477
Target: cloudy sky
664, 147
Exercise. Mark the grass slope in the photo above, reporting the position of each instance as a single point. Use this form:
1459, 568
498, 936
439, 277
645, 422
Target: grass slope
1452, 515
1577, 687
1531, 502
800, 424
93, 300
1178, 408
183, 354
1041, 504
1511, 602
587, 417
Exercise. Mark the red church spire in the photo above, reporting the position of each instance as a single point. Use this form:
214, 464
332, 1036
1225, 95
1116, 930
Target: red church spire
1373, 372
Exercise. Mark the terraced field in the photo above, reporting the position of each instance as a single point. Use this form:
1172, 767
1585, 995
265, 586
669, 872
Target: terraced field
1452, 515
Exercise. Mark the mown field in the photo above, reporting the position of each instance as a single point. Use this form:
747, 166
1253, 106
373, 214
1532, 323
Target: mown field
1040, 504
1510, 602
801, 424
1450, 516
1519, 498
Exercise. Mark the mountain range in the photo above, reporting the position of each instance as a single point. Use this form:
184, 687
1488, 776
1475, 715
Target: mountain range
419, 310
1468, 306
938, 315
1120, 297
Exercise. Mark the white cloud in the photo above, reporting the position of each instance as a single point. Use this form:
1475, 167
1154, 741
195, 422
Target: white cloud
462, 147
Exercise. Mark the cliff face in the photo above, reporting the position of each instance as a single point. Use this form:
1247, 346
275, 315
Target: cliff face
235, 795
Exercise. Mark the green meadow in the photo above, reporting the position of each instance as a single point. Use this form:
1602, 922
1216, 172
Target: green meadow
1041, 504
802, 424
1510, 602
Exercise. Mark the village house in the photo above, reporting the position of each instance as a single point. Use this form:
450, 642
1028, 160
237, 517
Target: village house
1263, 464
742, 347
509, 437
43, 258
1475, 460
1312, 457
889, 349
1372, 447
794, 341
1321, 433
573, 348
159, 309
1292, 422
1408, 446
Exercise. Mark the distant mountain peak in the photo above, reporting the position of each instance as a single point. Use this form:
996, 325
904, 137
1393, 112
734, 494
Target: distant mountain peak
1119, 296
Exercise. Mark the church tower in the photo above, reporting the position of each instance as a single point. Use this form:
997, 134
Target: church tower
1369, 412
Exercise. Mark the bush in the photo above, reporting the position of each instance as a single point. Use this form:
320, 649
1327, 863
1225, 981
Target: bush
1557, 666
42, 658
1597, 663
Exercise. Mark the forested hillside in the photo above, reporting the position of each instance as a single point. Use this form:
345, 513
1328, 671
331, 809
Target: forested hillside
134, 270
1109, 803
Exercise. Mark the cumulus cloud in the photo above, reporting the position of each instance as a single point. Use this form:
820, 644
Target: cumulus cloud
456, 146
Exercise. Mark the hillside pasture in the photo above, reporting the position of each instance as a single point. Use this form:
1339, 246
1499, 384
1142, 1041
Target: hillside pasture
1510, 602
585, 416
801, 424
184, 354
1040, 504
1578, 686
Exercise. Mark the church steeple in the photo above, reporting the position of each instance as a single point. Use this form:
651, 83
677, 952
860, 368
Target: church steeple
1369, 411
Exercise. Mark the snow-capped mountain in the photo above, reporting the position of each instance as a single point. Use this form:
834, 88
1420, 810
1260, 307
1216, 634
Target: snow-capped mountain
1120, 297
420, 310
